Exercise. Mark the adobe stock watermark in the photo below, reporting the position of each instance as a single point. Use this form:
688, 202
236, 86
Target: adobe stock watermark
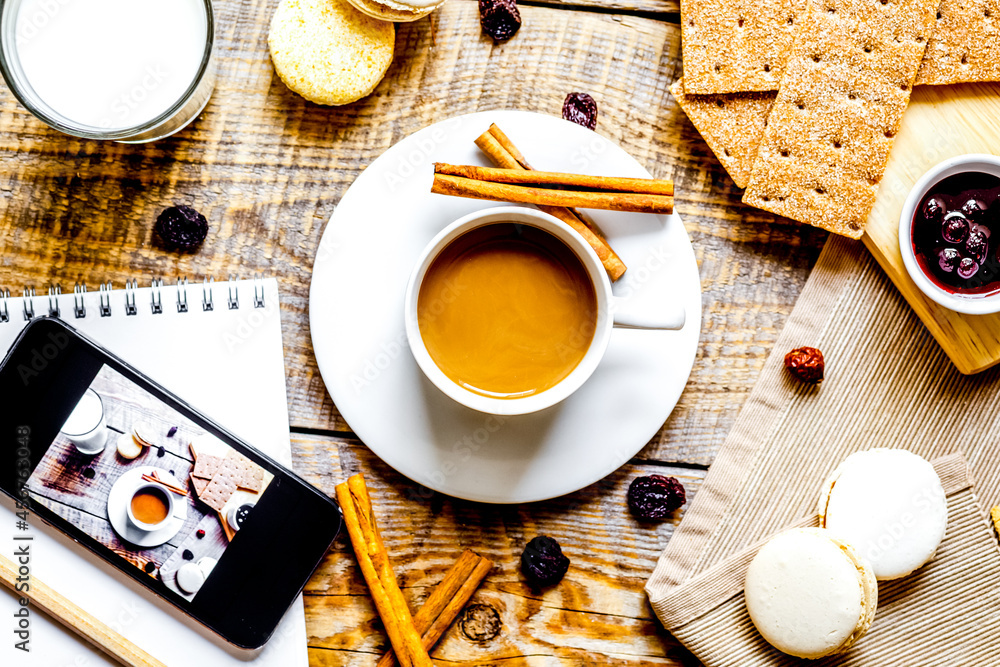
420, 154
935, 149
23, 540
389, 350
461, 451
30, 25
42, 356
249, 323
128, 613
124, 104
925, 504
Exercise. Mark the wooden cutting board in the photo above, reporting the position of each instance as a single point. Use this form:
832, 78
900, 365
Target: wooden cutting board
941, 122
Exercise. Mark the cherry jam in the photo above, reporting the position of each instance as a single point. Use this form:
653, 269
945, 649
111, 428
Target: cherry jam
956, 233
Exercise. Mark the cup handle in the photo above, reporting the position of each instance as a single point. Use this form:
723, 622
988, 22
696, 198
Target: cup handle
668, 318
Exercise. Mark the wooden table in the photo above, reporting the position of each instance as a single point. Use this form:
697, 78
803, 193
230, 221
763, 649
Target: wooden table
267, 169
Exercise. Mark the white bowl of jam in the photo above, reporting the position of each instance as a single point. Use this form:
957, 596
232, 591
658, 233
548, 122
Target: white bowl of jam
949, 234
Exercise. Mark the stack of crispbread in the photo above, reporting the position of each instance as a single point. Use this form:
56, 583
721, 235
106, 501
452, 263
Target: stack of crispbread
801, 99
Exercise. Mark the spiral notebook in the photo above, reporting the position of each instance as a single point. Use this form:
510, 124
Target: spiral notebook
218, 346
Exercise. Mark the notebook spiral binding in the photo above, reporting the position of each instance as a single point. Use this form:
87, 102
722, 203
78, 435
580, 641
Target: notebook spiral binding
131, 305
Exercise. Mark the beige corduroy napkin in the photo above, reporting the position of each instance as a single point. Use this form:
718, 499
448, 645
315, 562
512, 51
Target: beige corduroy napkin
887, 384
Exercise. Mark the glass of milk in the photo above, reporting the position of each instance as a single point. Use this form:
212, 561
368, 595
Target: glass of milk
85, 426
126, 70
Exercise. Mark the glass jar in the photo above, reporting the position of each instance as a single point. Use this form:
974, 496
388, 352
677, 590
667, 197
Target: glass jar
123, 70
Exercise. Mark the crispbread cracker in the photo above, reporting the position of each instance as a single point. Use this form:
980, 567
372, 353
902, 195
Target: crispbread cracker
731, 124
737, 45
206, 465
965, 45
219, 490
253, 479
199, 484
840, 105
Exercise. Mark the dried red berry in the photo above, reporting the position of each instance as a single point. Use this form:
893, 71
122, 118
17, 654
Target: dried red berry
806, 363
181, 228
543, 562
500, 19
655, 496
200, 534
580, 108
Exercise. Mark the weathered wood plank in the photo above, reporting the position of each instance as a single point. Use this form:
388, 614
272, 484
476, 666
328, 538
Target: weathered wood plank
267, 168
597, 615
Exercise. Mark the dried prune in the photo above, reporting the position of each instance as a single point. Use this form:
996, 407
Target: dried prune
149, 567
172, 432
187, 555
580, 108
89, 473
181, 228
543, 562
655, 496
500, 19
160, 451
806, 363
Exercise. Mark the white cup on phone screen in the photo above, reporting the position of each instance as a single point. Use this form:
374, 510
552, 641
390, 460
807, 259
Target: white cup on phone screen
85, 426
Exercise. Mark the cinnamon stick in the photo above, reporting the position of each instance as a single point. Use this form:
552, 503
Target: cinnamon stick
505, 154
156, 478
377, 570
446, 601
519, 176
458, 186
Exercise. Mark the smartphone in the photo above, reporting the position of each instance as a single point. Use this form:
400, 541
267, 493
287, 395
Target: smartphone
154, 487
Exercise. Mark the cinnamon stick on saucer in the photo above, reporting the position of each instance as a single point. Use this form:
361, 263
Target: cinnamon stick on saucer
567, 190
374, 561
650, 186
505, 154
446, 601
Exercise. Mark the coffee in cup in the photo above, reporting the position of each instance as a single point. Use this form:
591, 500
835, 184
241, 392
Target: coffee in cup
507, 310
150, 507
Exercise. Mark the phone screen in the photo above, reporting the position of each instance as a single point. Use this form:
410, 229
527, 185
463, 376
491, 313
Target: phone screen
156, 488
147, 482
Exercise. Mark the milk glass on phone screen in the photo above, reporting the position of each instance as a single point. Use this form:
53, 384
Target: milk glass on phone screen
127, 70
85, 426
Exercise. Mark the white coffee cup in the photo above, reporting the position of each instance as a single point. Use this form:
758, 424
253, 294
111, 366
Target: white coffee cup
85, 427
150, 527
671, 317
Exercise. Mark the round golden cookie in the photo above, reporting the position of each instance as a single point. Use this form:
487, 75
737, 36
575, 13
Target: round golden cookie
128, 447
327, 51
395, 10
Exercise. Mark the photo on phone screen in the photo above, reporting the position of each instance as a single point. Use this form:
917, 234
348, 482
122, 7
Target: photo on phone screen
148, 483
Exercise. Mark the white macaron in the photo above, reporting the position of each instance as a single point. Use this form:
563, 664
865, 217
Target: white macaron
809, 594
890, 505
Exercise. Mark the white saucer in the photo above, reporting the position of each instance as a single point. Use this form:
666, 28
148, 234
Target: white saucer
121, 495
356, 316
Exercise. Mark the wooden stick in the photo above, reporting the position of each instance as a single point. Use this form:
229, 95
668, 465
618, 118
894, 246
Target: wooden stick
446, 601
457, 186
374, 562
504, 154
519, 176
76, 619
